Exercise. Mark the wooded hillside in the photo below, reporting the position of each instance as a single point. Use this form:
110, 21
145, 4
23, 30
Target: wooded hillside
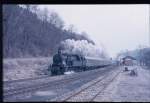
28, 34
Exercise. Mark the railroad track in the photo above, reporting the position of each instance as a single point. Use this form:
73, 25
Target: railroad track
82, 94
105, 86
27, 82
22, 82
32, 88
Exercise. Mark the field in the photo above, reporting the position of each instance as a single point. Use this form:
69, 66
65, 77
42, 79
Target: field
21, 68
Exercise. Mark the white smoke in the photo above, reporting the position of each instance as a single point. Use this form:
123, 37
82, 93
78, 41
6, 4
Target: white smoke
82, 47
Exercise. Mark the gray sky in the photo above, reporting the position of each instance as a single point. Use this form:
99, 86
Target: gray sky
117, 27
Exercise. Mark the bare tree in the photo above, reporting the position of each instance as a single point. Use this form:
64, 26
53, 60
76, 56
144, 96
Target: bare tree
71, 29
43, 14
34, 8
56, 20
27, 7
25, 34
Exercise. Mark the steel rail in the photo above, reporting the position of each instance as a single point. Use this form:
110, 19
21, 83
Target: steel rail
43, 85
75, 94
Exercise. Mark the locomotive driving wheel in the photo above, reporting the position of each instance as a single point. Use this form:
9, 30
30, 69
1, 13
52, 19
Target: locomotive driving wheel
57, 70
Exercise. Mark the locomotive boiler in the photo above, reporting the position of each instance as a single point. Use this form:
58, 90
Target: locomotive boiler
76, 63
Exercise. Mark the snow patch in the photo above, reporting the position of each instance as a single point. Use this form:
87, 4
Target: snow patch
23, 68
44, 93
69, 72
126, 88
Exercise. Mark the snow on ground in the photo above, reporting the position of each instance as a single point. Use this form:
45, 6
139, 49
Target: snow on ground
127, 88
21, 68
69, 72
44, 93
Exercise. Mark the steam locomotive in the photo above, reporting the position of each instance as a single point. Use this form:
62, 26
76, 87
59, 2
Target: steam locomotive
77, 63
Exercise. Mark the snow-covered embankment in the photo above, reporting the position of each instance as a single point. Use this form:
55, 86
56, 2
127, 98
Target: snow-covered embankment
21, 68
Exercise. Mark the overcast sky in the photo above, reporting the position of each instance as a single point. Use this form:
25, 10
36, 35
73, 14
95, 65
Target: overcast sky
117, 27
